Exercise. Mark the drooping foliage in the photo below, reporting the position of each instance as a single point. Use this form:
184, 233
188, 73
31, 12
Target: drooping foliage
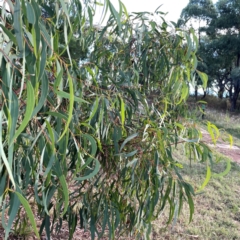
88, 137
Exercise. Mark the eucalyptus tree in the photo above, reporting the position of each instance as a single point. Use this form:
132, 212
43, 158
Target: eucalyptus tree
216, 64
93, 142
202, 12
226, 36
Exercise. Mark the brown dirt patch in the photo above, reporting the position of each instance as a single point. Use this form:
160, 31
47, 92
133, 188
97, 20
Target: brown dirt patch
232, 152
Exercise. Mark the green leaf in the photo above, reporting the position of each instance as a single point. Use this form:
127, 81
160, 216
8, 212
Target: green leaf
65, 193
94, 109
226, 171
44, 93
129, 138
51, 134
66, 12
70, 108
204, 78
90, 16
230, 140
29, 110
92, 174
29, 212
124, 9
67, 96
17, 17
57, 115
30, 13
66, 41
14, 118
3, 155
207, 179
115, 15
9, 34
122, 112
93, 144
213, 131
14, 208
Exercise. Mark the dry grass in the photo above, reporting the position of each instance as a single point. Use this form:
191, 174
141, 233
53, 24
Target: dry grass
215, 103
217, 209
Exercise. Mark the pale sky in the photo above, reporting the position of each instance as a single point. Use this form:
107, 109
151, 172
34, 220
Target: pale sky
173, 7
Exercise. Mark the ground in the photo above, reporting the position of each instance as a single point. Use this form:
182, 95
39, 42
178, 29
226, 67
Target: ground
226, 149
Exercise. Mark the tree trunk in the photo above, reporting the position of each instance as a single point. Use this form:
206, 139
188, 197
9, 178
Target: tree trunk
230, 89
196, 92
221, 89
204, 94
235, 95
238, 60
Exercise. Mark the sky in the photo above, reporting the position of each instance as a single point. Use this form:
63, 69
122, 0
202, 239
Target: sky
173, 7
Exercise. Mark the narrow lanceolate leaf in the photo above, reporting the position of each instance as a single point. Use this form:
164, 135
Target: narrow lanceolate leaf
115, 14
51, 134
94, 109
30, 13
70, 107
67, 95
65, 193
93, 144
29, 110
124, 9
204, 78
128, 139
9, 34
12, 126
64, 7
90, 15
226, 171
122, 112
29, 212
92, 174
14, 207
66, 41
3, 155
44, 93
230, 140
18, 25
213, 131
207, 179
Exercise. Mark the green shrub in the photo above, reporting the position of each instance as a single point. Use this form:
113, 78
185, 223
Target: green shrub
93, 142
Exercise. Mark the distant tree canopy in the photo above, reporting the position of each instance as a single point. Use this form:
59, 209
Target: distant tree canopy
220, 46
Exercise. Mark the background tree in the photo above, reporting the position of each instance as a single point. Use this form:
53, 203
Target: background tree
219, 46
226, 37
202, 11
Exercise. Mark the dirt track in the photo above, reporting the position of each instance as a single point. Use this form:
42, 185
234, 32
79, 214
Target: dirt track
232, 152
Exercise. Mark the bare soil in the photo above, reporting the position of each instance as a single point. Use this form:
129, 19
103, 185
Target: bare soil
232, 152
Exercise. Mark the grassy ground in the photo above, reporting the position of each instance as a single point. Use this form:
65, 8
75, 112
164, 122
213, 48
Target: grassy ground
226, 121
217, 209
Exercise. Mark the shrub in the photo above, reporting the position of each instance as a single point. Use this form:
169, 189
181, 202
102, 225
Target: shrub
93, 142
